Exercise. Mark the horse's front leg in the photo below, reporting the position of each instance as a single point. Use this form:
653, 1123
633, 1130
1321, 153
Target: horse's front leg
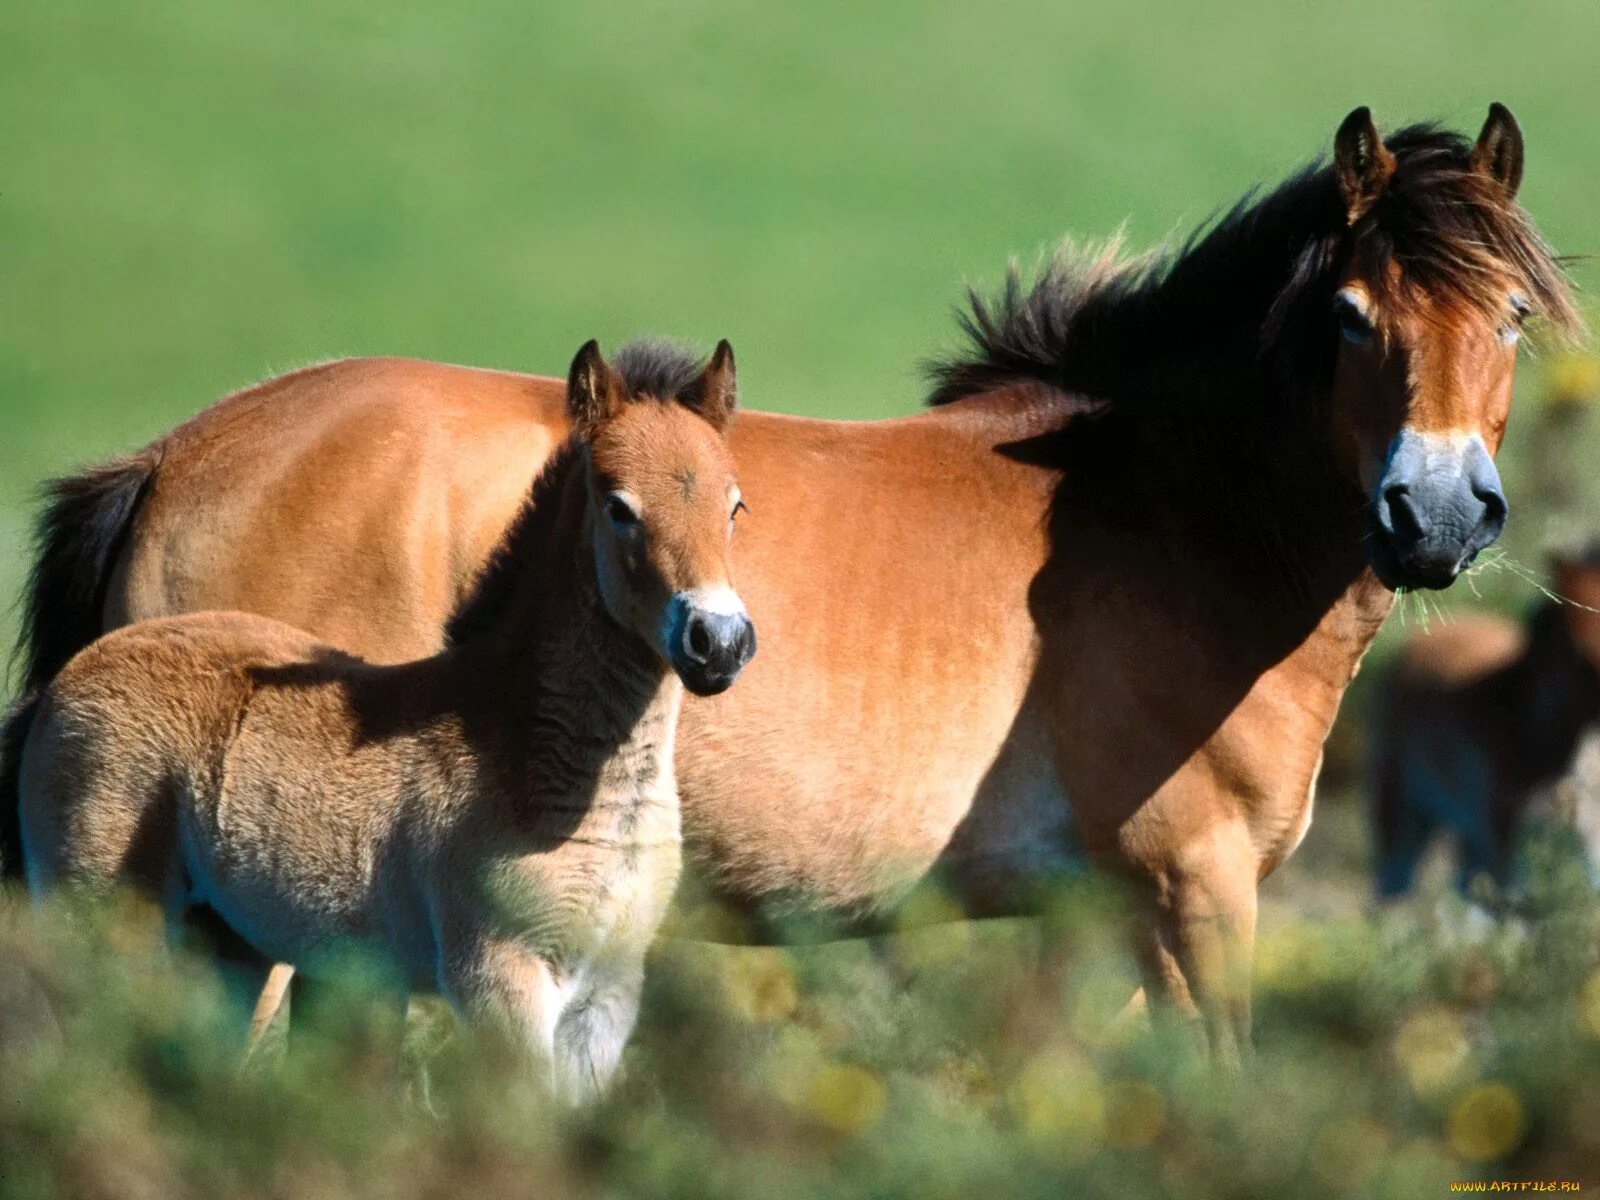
505, 984
1199, 946
594, 1028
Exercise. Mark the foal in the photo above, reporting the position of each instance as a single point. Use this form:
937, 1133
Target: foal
498, 822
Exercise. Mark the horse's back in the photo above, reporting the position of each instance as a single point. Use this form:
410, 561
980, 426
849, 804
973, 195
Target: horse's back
178, 678
267, 500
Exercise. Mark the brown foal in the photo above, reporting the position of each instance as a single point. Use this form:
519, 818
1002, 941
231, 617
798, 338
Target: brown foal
499, 821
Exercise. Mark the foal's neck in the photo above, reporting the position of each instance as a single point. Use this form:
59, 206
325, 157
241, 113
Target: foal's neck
587, 704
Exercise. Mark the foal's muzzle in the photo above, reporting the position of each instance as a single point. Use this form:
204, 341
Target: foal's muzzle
710, 639
1437, 505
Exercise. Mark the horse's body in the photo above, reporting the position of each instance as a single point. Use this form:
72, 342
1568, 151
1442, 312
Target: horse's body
1102, 602
1473, 720
949, 725
498, 821
848, 726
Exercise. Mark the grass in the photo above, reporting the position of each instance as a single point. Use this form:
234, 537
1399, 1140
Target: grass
1391, 1059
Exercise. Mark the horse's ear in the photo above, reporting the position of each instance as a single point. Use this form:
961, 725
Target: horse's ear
1361, 162
593, 389
1498, 153
716, 392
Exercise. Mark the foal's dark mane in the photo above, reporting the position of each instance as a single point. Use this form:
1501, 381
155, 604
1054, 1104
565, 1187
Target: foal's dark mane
653, 371
1245, 303
659, 368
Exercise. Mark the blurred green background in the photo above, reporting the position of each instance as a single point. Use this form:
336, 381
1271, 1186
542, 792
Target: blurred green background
196, 195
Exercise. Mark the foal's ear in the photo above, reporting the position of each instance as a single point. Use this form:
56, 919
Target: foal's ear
1498, 153
1361, 162
716, 392
593, 390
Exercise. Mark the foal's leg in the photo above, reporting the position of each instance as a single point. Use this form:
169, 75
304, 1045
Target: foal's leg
503, 983
1199, 957
268, 1004
594, 1028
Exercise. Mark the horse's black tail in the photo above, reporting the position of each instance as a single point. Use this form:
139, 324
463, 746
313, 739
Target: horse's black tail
13, 736
77, 538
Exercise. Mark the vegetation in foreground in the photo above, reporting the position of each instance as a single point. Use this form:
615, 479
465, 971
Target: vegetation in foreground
948, 1062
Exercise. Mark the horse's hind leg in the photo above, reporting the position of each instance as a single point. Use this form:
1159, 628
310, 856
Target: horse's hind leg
84, 830
274, 994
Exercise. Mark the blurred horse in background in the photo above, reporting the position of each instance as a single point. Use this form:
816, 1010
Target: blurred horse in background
1474, 722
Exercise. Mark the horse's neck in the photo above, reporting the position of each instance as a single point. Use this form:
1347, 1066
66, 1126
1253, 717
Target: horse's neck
1315, 607
588, 713
1332, 653
1241, 554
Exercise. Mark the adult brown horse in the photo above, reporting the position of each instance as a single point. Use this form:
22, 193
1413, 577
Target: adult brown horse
1103, 600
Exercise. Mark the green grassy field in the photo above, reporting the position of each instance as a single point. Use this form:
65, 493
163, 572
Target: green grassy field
197, 195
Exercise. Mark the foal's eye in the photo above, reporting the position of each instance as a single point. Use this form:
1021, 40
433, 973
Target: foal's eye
620, 512
739, 506
1354, 325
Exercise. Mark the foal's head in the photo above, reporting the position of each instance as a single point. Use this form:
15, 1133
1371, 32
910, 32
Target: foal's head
1435, 274
662, 500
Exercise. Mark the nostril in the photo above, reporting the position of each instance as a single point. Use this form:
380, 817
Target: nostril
1494, 503
1404, 519
699, 639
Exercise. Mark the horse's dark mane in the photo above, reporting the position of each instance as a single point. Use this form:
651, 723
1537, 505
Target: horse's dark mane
654, 370
1254, 288
659, 367
524, 543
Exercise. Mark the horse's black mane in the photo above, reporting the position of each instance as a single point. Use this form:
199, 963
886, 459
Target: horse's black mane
659, 367
652, 369
1255, 287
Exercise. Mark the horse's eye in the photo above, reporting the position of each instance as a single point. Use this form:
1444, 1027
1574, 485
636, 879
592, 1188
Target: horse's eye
739, 506
1521, 310
1354, 325
620, 512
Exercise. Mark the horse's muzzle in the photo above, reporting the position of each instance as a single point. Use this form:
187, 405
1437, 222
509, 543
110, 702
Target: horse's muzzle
1436, 506
713, 638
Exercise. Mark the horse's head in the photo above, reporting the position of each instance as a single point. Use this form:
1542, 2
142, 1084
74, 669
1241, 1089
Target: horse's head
1436, 271
662, 500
